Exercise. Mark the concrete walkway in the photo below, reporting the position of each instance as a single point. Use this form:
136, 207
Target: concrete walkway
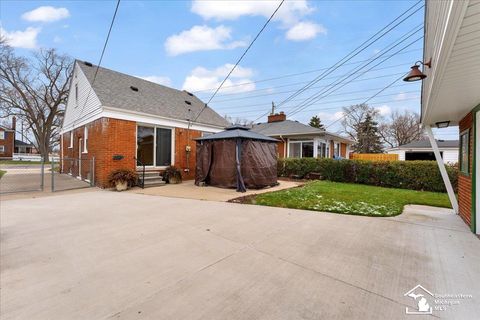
188, 190
109, 255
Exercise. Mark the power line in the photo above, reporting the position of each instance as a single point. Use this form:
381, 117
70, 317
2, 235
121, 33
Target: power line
352, 100
325, 93
370, 98
354, 71
248, 96
353, 53
288, 76
338, 94
240, 59
100, 60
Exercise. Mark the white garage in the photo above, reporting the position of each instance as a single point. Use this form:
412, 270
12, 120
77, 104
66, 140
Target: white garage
422, 150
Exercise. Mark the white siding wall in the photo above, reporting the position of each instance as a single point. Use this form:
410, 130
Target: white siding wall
450, 156
75, 113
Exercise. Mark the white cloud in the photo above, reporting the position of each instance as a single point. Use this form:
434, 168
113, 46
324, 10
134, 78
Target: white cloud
46, 14
305, 31
290, 15
201, 38
326, 116
166, 81
384, 110
201, 79
21, 39
57, 39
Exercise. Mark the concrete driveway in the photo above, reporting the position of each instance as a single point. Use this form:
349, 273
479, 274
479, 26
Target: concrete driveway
108, 255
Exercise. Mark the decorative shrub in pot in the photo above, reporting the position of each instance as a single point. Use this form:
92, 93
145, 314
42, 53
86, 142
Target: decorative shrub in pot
173, 175
122, 178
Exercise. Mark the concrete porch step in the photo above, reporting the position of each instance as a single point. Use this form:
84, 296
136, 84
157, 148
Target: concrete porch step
154, 183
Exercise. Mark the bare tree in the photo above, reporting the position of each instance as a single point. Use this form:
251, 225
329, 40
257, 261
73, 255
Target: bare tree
354, 115
238, 121
403, 128
35, 91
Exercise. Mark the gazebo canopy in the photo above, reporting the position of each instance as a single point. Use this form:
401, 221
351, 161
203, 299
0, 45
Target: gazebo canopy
235, 132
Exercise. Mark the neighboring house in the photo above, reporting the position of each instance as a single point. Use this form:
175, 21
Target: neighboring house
451, 93
7, 138
298, 140
422, 150
123, 118
24, 148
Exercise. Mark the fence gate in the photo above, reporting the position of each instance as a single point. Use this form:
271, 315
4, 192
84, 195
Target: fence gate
22, 176
72, 173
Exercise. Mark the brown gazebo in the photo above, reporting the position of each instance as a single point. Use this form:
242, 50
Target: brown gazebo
237, 158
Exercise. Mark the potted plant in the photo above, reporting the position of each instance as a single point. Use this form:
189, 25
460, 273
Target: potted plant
122, 178
173, 175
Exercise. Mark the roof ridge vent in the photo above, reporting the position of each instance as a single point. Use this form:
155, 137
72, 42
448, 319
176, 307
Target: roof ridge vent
88, 64
189, 93
134, 88
188, 102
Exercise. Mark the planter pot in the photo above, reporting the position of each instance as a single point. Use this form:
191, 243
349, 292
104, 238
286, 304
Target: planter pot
121, 186
173, 180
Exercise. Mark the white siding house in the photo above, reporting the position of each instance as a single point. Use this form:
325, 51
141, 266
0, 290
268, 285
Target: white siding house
422, 150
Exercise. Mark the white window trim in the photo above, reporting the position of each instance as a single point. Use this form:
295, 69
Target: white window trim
301, 143
172, 154
76, 94
2, 149
85, 139
2, 135
71, 140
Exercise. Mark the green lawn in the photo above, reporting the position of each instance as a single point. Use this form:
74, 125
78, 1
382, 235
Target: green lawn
350, 198
2, 172
21, 162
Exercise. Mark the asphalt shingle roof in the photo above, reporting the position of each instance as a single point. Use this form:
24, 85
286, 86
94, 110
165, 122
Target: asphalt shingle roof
114, 90
426, 144
286, 127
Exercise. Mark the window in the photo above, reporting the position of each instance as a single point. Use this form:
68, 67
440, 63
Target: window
464, 152
322, 150
71, 140
76, 94
85, 139
154, 146
2, 149
2, 135
336, 150
300, 149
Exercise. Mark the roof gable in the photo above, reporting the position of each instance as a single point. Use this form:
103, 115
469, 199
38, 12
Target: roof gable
122, 91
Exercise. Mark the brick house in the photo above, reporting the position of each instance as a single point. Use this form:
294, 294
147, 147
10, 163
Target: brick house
298, 140
451, 95
127, 122
7, 141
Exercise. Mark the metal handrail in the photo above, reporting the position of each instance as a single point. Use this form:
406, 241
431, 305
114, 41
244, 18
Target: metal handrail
143, 171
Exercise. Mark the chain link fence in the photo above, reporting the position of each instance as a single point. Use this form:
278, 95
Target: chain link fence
40, 176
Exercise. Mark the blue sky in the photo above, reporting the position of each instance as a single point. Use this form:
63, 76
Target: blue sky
191, 45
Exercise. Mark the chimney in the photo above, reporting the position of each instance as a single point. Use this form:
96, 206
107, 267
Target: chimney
14, 123
277, 117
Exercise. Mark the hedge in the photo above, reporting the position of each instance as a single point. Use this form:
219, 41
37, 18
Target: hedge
414, 175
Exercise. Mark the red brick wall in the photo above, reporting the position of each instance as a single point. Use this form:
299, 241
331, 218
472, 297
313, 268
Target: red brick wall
183, 160
106, 137
332, 149
8, 144
465, 181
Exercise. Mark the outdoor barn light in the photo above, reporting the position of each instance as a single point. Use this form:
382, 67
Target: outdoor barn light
415, 74
442, 124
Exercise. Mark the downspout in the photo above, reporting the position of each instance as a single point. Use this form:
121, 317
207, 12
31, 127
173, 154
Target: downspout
443, 171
